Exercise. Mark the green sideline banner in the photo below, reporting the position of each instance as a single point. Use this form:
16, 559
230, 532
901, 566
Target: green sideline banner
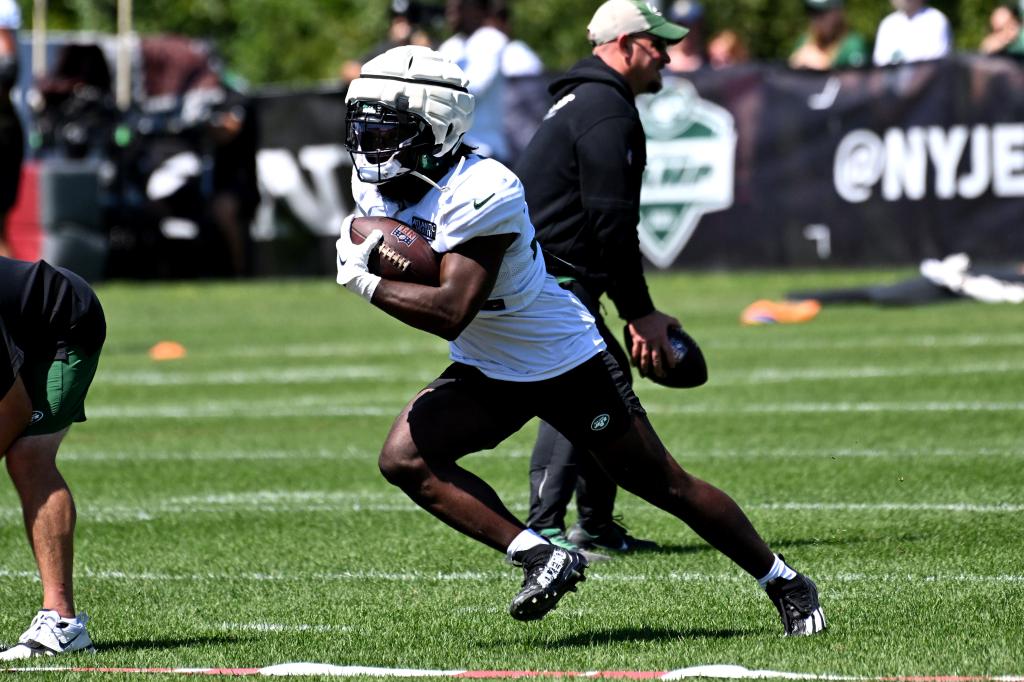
756, 165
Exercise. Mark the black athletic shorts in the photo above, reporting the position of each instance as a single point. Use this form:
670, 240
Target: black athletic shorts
467, 411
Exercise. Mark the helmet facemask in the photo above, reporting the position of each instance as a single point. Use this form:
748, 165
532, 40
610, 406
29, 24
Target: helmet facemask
385, 142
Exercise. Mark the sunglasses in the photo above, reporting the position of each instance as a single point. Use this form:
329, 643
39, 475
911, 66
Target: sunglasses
658, 44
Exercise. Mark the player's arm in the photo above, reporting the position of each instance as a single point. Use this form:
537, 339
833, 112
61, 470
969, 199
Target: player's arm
468, 273
611, 211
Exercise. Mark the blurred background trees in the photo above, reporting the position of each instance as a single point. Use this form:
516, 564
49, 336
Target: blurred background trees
305, 41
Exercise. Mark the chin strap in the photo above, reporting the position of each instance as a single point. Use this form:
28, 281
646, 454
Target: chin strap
439, 188
424, 178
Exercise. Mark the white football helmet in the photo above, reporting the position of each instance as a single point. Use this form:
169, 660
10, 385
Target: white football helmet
407, 104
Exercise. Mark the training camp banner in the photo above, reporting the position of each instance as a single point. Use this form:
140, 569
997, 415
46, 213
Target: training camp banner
752, 166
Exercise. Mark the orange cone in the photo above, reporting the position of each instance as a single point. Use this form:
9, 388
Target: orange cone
167, 350
780, 312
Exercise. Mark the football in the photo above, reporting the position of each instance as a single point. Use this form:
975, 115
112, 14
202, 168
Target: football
690, 371
403, 255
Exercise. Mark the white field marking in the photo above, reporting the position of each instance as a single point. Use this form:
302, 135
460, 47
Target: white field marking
347, 502
713, 671
239, 409
424, 345
837, 453
281, 627
413, 576
298, 454
738, 672
329, 670
785, 375
958, 507
320, 374
764, 343
350, 453
842, 407
427, 345
326, 406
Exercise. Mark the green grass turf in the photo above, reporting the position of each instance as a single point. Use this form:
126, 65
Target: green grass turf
231, 513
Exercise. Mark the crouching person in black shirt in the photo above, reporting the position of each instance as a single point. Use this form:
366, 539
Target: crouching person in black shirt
51, 331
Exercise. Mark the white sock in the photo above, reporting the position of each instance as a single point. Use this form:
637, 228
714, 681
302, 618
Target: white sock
525, 540
779, 569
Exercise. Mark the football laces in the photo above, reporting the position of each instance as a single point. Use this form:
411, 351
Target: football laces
400, 262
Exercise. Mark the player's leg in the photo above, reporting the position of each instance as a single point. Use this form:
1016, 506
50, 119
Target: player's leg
460, 413
49, 513
58, 392
595, 407
595, 490
554, 464
451, 418
613, 424
640, 463
596, 527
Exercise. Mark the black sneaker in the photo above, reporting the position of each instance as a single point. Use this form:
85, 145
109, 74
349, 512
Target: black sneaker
548, 573
797, 602
612, 536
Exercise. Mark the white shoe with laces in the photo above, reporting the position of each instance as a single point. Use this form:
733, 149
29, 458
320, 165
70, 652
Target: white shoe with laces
49, 635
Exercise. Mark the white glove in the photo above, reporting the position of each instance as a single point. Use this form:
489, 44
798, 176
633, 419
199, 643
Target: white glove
353, 273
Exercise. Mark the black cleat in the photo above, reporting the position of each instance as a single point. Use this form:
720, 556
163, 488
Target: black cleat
611, 537
797, 602
548, 573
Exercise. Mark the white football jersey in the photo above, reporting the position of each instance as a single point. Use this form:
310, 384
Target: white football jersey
530, 328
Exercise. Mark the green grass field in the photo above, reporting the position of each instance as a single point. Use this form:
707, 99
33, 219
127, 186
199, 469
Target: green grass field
231, 513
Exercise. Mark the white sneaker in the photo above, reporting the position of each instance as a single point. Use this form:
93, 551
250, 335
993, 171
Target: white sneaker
948, 272
49, 635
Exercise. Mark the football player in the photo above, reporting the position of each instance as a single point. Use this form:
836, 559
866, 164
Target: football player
51, 331
520, 345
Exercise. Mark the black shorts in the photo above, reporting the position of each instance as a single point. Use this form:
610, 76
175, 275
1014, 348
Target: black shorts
467, 411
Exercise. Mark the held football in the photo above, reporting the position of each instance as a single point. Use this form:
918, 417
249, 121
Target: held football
690, 371
403, 255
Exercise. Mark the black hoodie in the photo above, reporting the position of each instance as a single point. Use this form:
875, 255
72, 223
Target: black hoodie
582, 173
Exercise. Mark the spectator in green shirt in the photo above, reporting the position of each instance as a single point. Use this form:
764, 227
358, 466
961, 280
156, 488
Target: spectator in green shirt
828, 42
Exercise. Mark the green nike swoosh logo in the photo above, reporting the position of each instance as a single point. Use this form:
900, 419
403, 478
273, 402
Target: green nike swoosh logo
478, 204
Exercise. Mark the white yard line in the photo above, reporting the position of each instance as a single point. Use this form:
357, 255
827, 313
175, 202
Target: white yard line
72, 453
593, 573
265, 375
281, 627
331, 373
325, 406
838, 407
785, 375
345, 502
766, 341
299, 454
712, 671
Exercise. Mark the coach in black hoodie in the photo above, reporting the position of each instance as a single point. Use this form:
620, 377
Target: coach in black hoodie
582, 172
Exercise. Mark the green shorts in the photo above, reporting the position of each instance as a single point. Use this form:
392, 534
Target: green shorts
58, 390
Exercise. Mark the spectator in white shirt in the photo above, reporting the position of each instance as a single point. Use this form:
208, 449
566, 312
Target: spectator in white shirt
518, 58
477, 49
914, 32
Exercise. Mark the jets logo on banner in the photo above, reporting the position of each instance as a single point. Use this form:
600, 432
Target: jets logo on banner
691, 152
